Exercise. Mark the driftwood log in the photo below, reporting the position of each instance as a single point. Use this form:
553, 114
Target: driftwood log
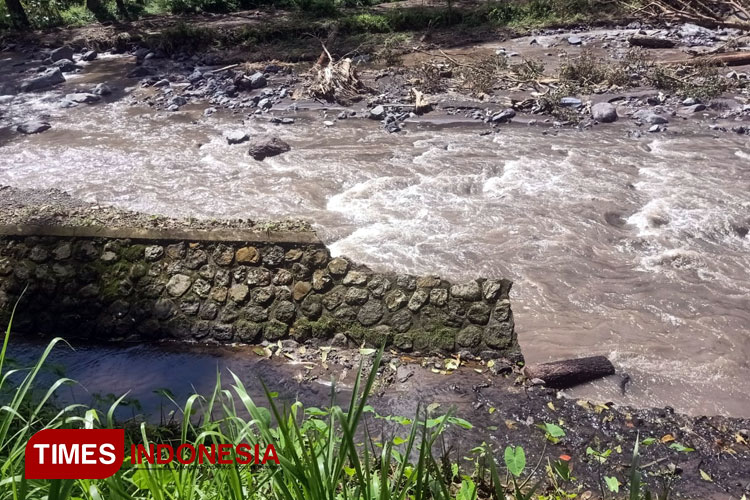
651, 42
727, 59
570, 372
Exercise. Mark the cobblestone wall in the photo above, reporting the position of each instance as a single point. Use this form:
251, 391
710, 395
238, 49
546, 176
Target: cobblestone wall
121, 289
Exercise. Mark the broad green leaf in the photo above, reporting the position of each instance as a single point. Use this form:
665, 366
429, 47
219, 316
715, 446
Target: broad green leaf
515, 460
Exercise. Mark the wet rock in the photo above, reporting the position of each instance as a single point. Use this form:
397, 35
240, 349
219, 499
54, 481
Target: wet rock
102, 89
370, 313
48, 78
66, 65
161, 83
689, 101
695, 108
153, 252
575, 40
60, 53
257, 80
654, 128
377, 113
604, 112
650, 117
33, 127
338, 266
265, 104
503, 116
83, 97
236, 136
139, 72
178, 101
89, 55
263, 148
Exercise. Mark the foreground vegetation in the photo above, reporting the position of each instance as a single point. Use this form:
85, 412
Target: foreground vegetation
329, 453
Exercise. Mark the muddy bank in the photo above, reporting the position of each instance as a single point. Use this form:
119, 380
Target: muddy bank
501, 410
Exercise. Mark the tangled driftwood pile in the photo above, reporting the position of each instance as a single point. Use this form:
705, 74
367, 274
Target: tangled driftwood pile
713, 13
336, 81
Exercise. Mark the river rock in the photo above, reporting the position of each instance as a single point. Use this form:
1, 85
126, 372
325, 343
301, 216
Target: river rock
65, 65
265, 147
377, 113
139, 72
503, 116
695, 108
63, 52
48, 78
650, 117
236, 136
101, 89
257, 80
83, 97
33, 127
575, 40
89, 55
604, 112
178, 101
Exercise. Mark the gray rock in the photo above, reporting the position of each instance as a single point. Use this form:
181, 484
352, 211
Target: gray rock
63, 52
66, 65
654, 128
377, 113
178, 101
257, 80
89, 55
575, 40
370, 313
695, 108
467, 291
83, 97
153, 252
48, 78
650, 117
33, 127
264, 147
503, 116
265, 103
161, 83
195, 76
102, 89
236, 136
604, 112
689, 101
418, 299
178, 285
139, 72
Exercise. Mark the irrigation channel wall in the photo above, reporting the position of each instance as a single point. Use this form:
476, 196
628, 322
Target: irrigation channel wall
236, 286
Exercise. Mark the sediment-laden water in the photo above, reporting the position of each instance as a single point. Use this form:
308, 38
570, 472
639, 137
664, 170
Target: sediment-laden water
636, 248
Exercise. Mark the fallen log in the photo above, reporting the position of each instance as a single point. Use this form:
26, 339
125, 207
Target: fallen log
570, 372
651, 42
727, 59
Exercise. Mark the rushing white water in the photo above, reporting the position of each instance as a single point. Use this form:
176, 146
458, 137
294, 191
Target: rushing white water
633, 248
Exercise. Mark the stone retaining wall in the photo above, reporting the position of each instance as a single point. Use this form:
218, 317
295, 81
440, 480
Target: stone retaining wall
152, 287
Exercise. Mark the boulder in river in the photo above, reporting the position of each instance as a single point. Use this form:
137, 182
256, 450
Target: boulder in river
65, 65
265, 147
63, 52
650, 117
101, 89
236, 136
48, 78
604, 112
89, 55
83, 97
33, 127
377, 113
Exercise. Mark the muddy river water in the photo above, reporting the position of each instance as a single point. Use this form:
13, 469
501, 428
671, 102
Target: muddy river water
636, 248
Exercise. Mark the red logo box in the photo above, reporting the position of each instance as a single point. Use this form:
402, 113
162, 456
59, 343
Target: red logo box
74, 453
